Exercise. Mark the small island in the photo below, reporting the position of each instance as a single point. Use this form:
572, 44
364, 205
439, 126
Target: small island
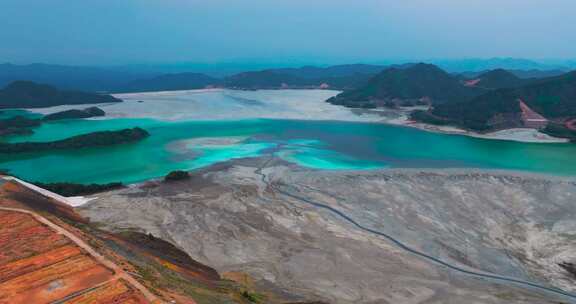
18, 125
76, 114
95, 139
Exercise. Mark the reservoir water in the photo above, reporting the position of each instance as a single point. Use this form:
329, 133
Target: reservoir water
320, 144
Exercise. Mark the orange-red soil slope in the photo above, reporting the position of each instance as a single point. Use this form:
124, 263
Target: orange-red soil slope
41, 262
39, 265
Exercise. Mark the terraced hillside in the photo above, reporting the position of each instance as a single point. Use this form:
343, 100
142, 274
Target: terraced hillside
50, 254
39, 264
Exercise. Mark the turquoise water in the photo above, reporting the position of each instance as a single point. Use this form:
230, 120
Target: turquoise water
316, 144
60, 129
4, 114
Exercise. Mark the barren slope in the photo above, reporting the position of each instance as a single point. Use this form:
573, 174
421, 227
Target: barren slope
510, 225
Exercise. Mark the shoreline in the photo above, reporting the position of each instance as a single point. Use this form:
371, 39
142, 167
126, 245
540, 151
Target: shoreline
72, 201
397, 117
525, 135
275, 162
255, 162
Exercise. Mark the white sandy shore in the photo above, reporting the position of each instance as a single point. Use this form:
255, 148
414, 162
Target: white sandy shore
222, 104
74, 201
515, 134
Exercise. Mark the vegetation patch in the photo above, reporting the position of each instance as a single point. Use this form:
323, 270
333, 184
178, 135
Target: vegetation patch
560, 131
177, 176
76, 114
95, 139
18, 125
70, 189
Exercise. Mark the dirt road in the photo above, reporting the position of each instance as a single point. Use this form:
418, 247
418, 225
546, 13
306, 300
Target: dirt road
120, 273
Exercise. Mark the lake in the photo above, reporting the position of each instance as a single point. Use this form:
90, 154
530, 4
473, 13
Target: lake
328, 143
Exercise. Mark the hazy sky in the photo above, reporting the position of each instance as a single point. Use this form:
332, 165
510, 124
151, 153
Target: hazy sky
320, 31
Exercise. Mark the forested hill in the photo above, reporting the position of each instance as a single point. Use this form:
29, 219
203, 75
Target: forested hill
498, 79
554, 98
28, 94
419, 83
170, 82
339, 77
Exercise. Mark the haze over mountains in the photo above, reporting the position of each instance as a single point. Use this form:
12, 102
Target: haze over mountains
420, 83
287, 152
189, 76
479, 65
487, 101
27, 94
171, 82
480, 101
68, 77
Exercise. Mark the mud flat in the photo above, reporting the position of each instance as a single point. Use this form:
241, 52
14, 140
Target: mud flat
244, 217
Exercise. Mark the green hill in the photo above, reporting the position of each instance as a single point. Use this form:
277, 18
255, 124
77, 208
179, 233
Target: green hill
28, 94
171, 82
95, 139
76, 113
554, 98
419, 83
499, 79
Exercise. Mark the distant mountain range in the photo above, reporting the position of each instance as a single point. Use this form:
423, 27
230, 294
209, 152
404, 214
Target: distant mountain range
171, 82
69, 77
518, 73
334, 77
427, 84
27, 94
271, 79
344, 70
479, 65
264, 80
141, 78
340, 77
221, 70
493, 100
